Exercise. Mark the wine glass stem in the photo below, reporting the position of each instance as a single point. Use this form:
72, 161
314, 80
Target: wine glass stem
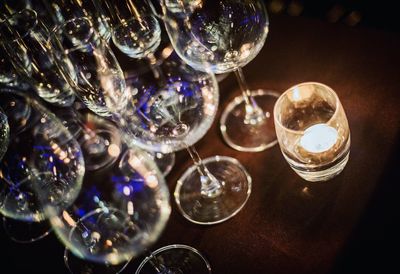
210, 186
254, 114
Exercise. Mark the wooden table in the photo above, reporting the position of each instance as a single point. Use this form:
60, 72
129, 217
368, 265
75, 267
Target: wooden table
289, 226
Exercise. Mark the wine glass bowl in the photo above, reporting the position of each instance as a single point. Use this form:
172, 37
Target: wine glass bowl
99, 80
217, 36
135, 29
138, 37
171, 111
62, 11
121, 210
42, 159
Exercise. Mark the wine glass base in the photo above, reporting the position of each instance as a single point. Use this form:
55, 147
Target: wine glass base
249, 137
200, 209
25, 232
77, 265
175, 259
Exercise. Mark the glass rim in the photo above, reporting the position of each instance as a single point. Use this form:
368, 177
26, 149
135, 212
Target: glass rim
278, 102
173, 246
6, 21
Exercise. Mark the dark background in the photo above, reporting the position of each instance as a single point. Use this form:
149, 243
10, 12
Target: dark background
374, 242
380, 14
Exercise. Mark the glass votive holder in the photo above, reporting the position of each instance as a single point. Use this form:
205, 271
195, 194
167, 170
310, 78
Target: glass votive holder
312, 131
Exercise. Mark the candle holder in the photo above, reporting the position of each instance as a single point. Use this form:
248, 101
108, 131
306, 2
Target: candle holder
312, 131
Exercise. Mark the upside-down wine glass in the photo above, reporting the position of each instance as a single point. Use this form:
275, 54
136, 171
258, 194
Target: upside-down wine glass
99, 80
137, 33
120, 211
174, 113
23, 37
164, 161
135, 30
42, 159
223, 36
100, 84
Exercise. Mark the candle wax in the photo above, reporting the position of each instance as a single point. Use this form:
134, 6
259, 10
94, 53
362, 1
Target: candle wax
319, 138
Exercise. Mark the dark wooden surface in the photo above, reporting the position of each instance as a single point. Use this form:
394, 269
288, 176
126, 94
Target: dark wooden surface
344, 225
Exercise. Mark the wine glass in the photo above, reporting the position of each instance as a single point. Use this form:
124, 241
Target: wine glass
313, 131
4, 133
136, 30
164, 161
42, 159
137, 33
23, 37
120, 211
99, 80
173, 113
223, 36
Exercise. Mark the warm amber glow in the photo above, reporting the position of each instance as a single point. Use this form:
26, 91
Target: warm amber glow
130, 208
68, 219
109, 243
114, 150
166, 52
151, 180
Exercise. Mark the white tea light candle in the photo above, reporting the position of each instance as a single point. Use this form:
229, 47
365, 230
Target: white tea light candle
312, 131
319, 138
